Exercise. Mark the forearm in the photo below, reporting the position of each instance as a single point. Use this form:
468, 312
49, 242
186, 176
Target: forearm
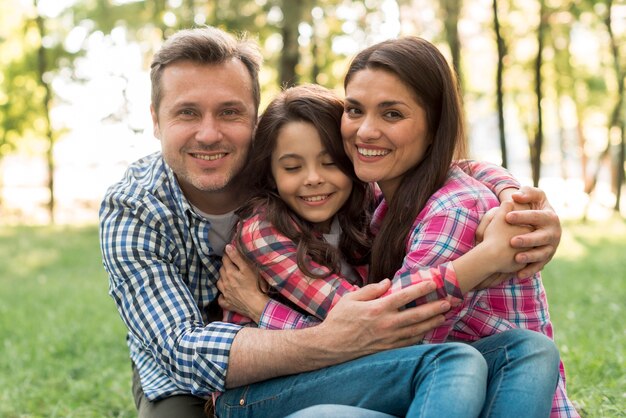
258, 355
473, 267
495, 177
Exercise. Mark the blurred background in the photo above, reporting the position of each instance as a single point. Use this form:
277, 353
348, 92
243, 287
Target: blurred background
542, 80
543, 86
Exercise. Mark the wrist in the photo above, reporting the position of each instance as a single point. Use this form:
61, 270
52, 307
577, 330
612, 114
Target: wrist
258, 306
474, 266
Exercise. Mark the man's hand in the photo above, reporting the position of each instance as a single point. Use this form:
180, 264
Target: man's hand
240, 286
539, 245
367, 324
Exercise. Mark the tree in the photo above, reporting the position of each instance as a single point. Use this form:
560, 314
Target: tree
501, 46
536, 144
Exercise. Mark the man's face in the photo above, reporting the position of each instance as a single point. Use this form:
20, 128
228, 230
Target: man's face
205, 123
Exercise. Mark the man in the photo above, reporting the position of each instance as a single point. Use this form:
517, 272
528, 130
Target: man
163, 231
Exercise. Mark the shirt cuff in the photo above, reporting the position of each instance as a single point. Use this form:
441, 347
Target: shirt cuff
278, 316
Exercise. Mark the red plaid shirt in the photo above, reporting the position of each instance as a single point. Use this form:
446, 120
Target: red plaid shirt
443, 231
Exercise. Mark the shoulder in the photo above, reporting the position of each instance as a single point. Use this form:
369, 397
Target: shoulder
147, 194
461, 191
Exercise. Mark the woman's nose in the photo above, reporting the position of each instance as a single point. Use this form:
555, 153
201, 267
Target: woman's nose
368, 129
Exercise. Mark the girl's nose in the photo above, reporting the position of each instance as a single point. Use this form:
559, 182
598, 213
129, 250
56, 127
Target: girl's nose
313, 178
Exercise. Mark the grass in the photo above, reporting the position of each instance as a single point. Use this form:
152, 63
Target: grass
62, 349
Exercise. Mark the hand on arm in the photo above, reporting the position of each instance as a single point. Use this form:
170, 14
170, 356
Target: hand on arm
539, 246
494, 254
361, 323
240, 286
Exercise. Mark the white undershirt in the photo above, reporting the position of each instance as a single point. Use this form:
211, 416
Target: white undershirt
221, 230
333, 239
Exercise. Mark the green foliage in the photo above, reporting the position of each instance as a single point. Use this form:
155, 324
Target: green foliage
63, 352
586, 289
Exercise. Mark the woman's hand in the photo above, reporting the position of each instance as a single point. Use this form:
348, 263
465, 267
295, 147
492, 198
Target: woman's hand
539, 245
239, 285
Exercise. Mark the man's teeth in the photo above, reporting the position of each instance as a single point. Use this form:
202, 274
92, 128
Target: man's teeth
372, 152
210, 157
314, 198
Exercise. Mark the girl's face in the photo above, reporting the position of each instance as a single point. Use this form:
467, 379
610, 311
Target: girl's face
306, 176
384, 129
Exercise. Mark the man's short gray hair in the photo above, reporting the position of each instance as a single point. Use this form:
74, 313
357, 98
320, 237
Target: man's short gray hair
205, 45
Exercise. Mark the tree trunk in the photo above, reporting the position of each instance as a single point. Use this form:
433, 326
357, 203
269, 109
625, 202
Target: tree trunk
41, 69
537, 144
616, 120
452, 11
292, 16
499, 91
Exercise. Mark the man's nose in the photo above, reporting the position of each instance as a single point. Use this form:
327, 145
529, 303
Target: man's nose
208, 130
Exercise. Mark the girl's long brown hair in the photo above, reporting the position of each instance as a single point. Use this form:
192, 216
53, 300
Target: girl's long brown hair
323, 109
425, 71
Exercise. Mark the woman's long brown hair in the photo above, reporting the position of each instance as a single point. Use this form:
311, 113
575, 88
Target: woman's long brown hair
322, 109
425, 71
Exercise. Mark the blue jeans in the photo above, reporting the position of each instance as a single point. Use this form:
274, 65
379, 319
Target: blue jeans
337, 411
523, 373
442, 380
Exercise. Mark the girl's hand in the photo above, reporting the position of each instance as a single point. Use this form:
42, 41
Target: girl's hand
239, 285
497, 236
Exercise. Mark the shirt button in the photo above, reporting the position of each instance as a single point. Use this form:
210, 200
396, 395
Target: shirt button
242, 402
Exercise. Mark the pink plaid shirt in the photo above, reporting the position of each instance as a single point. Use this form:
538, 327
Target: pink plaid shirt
443, 231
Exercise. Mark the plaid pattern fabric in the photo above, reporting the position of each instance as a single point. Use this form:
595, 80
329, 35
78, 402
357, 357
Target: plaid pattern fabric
162, 277
443, 231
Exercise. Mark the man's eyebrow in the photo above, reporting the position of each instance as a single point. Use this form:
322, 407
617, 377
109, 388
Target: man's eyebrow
233, 103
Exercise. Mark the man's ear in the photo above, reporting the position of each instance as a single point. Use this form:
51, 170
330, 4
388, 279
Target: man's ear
155, 122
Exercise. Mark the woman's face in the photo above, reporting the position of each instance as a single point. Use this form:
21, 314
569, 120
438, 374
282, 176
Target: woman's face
384, 129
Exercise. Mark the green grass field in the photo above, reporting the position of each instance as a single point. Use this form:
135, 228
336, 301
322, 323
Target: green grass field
63, 354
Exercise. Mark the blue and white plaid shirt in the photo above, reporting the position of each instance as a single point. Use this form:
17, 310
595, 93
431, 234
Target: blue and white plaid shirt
162, 276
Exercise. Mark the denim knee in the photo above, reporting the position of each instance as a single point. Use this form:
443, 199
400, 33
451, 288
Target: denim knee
540, 349
465, 357
337, 411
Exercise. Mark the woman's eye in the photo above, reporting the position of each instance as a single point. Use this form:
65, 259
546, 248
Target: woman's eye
291, 168
393, 114
351, 111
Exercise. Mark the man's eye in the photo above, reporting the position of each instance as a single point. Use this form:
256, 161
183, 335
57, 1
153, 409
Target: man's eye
229, 112
351, 111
